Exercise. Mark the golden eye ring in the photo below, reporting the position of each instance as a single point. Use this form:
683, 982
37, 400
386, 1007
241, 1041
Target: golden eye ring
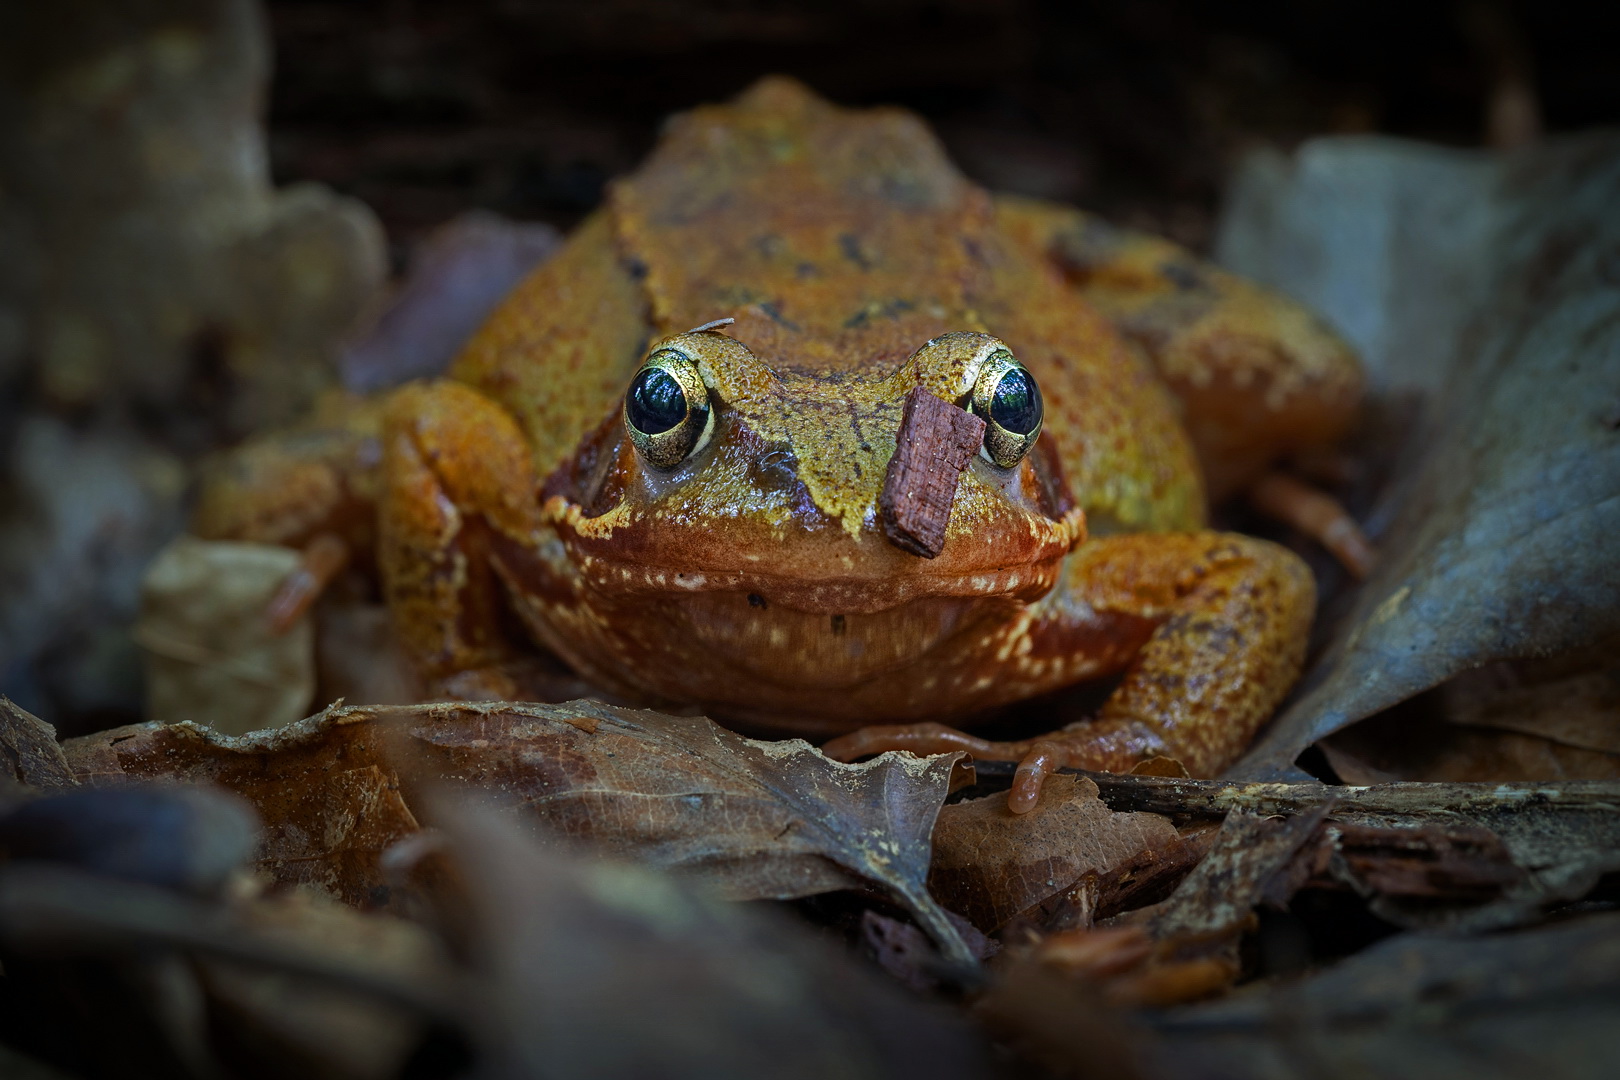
1007, 399
666, 409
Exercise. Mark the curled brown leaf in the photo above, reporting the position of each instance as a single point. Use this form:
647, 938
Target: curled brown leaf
752, 819
992, 865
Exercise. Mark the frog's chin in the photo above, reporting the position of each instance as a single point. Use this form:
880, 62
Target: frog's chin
734, 656
813, 652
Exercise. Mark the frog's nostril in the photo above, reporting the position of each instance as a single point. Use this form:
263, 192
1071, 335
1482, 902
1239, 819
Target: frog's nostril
776, 467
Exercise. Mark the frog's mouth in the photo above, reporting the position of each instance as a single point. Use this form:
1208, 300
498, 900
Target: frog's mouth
819, 596
821, 569
803, 652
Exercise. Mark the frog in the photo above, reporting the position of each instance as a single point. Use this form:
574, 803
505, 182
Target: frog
663, 460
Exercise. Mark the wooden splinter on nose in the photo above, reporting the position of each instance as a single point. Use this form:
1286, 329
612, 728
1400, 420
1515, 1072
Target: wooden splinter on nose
936, 442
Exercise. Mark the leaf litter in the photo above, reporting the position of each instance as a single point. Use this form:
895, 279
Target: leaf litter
564, 781
566, 967
752, 820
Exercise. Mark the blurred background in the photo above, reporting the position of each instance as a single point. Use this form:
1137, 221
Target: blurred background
1135, 109
205, 205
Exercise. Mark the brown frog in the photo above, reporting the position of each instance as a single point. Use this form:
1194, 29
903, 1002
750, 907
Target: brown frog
700, 517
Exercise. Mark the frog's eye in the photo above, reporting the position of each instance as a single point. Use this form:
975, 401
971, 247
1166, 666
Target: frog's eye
666, 410
1006, 398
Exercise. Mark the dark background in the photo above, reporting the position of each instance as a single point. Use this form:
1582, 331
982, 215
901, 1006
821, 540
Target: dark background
1135, 108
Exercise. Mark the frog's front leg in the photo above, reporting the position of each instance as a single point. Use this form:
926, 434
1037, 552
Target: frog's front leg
1225, 619
458, 509
313, 487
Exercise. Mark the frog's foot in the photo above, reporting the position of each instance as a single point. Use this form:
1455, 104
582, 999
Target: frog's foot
323, 559
1229, 616
1317, 515
492, 682
922, 739
526, 677
1037, 758
1115, 745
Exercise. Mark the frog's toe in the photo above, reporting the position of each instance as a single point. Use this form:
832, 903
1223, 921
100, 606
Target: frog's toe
1036, 759
1043, 758
1317, 515
324, 557
925, 738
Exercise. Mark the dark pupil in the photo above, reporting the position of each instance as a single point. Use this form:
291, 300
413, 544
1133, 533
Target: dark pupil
1016, 403
656, 403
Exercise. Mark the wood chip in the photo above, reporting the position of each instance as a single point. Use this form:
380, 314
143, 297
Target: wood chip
936, 442
1459, 862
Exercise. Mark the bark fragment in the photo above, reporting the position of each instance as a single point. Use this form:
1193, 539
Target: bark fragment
936, 442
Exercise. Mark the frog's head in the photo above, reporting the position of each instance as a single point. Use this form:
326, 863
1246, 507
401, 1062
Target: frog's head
735, 509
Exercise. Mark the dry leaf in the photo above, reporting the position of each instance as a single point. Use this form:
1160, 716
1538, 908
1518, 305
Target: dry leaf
1065, 1024
1413, 742
1481, 286
329, 806
574, 968
1528, 720
132, 963
190, 838
753, 819
29, 753
1428, 1007
598, 969
185, 837
992, 865
212, 657
276, 1022
1182, 949
1579, 709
